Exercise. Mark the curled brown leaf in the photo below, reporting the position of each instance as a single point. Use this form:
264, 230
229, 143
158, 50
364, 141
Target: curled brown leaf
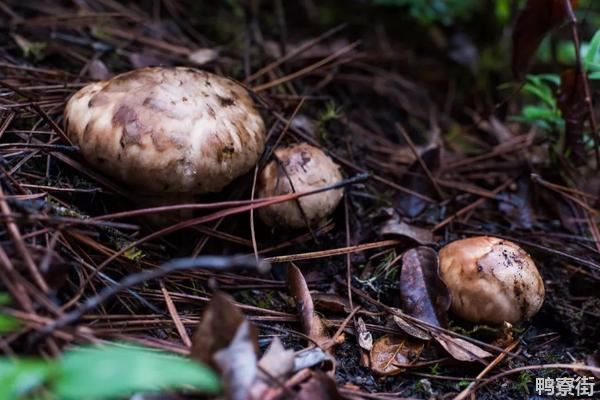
460, 349
423, 293
311, 322
218, 327
391, 354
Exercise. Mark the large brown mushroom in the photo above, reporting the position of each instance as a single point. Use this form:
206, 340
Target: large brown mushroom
299, 168
168, 132
491, 280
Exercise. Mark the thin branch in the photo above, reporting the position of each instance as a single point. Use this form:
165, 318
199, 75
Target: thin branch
218, 263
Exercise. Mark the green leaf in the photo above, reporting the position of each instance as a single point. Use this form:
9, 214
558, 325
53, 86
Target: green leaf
595, 76
552, 78
593, 67
120, 370
541, 91
4, 299
535, 113
8, 324
19, 377
592, 51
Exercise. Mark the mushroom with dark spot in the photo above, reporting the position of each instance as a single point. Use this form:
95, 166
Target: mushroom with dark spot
491, 280
154, 142
299, 168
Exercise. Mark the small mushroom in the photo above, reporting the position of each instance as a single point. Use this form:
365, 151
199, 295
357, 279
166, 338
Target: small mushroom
170, 132
299, 168
491, 280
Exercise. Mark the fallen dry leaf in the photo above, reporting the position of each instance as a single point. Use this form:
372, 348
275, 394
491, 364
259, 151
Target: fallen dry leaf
311, 357
311, 322
217, 328
516, 204
319, 387
460, 349
593, 360
98, 71
277, 361
203, 56
330, 302
416, 180
396, 227
141, 60
237, 363
423, 293
391, 354
411, 328
365, 339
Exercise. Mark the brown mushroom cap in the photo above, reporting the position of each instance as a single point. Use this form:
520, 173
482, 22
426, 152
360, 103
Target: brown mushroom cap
491, 280
167, 130
308, 168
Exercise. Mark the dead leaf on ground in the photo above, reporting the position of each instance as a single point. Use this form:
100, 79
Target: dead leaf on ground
515, 203
218, 327
396, 227
391, 354
423, 293
142, 60
314, 356
203, 56
98, 71
277, 361
593, 360
410, 328
319, 387
464, 51
365, 339
237, 363
533, 23
460, 349
330, 302
416, 180
311, 322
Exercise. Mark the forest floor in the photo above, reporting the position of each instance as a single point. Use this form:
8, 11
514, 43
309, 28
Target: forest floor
356, 80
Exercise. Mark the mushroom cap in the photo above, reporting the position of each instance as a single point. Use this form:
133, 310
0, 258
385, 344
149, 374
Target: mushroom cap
167, 130
308, 168
491, 280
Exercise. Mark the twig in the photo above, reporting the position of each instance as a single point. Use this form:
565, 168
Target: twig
218, 263
185, 338
333, 252
19, 244
308, 69
469, 390
412, 147
294, 52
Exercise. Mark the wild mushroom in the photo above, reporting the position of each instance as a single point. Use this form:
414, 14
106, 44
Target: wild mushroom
299, 168
167, 132
491, 280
